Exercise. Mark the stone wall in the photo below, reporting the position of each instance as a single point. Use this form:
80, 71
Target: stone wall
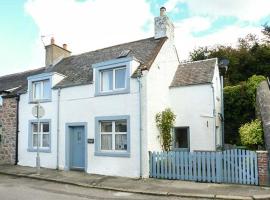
8, 121
263, 107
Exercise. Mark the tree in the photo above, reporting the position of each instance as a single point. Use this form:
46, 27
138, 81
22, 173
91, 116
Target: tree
165, 122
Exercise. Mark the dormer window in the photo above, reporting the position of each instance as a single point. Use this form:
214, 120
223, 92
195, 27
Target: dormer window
40, 87
41, 90
112, 77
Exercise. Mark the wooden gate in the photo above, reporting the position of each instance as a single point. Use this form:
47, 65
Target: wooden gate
230, 166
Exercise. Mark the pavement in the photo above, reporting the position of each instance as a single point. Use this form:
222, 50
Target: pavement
159, 187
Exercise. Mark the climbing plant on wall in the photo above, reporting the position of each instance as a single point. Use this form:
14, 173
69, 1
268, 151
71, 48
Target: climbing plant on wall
165, 121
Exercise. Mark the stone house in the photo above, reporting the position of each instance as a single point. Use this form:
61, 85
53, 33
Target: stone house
100, 106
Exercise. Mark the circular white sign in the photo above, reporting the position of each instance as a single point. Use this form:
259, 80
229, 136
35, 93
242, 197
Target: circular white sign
38, 111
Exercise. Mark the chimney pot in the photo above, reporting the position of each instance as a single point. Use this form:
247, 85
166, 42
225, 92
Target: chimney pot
65, 46
52, 40
162, 11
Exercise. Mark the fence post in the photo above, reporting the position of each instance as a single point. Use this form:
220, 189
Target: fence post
263, 167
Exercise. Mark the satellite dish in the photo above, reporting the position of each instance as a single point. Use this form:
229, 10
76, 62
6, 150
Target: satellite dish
38, 111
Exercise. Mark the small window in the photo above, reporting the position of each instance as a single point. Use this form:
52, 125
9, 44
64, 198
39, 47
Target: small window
113, 135
41, 90
113, 79
44, 135
181, 138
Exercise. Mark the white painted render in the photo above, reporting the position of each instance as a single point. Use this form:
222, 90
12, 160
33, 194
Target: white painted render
78, 104
194, 108
156, 97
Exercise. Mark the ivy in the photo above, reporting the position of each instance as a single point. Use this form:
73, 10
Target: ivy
165, 121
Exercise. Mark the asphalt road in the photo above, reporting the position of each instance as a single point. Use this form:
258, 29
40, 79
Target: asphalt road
13, 188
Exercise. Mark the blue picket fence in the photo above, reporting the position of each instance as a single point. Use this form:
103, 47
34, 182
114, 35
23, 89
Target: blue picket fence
230, 166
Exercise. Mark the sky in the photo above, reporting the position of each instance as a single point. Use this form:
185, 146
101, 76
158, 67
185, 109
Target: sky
86, 25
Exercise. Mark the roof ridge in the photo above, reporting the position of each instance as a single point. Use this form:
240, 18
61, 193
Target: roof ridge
23, 72
205, 60
113, 46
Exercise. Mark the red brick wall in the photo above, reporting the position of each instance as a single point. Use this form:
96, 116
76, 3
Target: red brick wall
263, 168
8, 121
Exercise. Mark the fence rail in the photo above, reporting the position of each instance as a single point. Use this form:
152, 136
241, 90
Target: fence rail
230, 166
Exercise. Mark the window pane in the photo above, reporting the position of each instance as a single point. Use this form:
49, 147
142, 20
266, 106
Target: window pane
121, 126
46, 127
120, 78
35, 128
121, 142
37, 90
106, 142
106, 80
35, 140
46, 89
181, 138
106, 126
45, 140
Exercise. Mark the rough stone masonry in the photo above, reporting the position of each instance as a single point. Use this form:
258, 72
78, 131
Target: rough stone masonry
8, 121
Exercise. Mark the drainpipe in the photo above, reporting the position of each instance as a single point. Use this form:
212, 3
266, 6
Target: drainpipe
140, 117
58, 127
222, 110
214, 113
17, 130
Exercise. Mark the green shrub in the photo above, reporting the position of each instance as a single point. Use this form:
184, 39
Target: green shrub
237, 110
165, 122
252, 84
251, 134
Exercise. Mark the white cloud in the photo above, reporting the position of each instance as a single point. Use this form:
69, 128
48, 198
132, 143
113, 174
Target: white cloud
186, 42
89, 25
242, 9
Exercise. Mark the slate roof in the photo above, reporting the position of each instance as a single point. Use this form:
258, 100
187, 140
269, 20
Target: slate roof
193, 73
17, 82
78, 68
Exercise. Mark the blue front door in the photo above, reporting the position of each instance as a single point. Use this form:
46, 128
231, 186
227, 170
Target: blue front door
77, 148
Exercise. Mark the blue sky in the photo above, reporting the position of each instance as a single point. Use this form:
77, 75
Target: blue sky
91, 24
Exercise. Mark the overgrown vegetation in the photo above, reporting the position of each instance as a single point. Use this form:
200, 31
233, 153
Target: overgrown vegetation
251, 134
249, 65
165, 121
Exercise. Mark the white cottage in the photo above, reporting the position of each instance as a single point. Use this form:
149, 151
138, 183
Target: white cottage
100, 106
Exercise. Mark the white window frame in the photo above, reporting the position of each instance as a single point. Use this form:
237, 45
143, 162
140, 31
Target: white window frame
41, 82
113, 88
41, 133
31, 148
113, 133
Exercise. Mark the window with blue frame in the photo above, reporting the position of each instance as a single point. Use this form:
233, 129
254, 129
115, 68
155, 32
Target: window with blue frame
40, 87
41, 90
112, 77
41, 138
112, 136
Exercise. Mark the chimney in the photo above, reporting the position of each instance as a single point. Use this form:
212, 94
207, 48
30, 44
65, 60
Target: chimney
163, 26
55, 53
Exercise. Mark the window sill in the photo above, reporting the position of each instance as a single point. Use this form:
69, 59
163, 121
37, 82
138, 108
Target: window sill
115, 92
40, 150
40, 101
113, 154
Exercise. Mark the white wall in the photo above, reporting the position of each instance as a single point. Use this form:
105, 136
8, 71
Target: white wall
193, 106
25, 114
78, 104
156, 97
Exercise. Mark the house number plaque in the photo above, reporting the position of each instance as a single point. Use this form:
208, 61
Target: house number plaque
90, 141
